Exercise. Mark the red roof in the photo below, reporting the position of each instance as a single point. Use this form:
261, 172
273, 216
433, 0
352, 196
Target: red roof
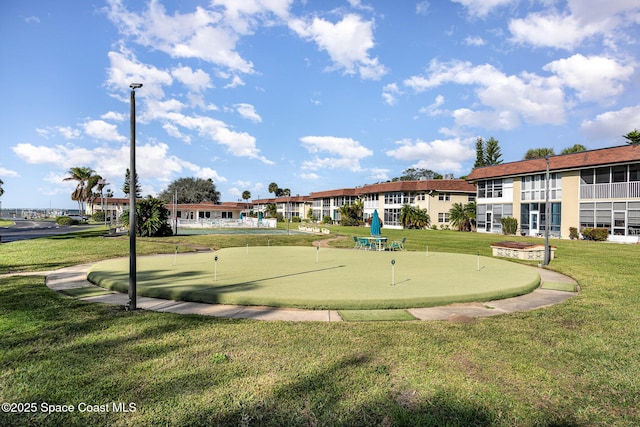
334, 193
591, 158
440, 185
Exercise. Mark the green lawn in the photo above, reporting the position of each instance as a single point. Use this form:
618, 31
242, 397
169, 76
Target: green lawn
576, 363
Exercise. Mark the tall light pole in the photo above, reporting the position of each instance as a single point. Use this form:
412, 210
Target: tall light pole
547, 215
132, 201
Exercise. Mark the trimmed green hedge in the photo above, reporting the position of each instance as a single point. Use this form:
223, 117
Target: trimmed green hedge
596, 234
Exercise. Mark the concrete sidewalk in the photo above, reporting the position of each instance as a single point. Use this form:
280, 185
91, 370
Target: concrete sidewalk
76, 277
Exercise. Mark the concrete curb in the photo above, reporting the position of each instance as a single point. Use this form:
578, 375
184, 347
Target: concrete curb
76, 277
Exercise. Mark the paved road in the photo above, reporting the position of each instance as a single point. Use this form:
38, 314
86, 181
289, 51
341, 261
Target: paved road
25, 229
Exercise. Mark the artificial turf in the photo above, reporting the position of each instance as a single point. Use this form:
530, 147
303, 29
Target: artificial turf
313, 278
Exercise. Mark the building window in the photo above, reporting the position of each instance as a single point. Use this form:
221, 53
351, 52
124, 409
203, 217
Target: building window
227, 215
443, 216
444, 197
490, 188
534, 187
392, 217
472, 197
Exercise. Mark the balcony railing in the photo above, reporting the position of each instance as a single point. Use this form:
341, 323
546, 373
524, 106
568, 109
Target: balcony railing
614, 190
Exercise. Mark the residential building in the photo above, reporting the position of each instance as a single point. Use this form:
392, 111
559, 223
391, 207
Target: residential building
437, 196
327, 203
596, 188
290, 207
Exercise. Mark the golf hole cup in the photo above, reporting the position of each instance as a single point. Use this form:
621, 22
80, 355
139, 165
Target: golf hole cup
215, 268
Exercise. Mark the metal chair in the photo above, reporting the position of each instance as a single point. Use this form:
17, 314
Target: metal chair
398, 245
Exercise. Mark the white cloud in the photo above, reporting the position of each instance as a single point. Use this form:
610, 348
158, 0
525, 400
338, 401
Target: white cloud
244, 16
581, 20
390, 93
438, 155
433, 109
481, 8
248, 111
39, 154
474, 41
112, 115
99, 129
32, 20
379, 174
125, 69
235, 82
196, 81
593, 77
345, 153
4, 172
558, 31
422, 8
309, 176
154, 161
203, 34
240, 144
535, 99
347, 43
66, 132
610, 126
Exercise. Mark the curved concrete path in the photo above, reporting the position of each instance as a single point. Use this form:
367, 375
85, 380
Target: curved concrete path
76, 277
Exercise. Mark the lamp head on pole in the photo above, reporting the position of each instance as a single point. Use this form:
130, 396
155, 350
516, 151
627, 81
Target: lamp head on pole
135, 85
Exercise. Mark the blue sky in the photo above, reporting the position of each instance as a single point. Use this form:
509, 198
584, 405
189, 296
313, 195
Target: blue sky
312, 95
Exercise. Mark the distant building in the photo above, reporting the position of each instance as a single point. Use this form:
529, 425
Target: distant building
437, 196
596, 188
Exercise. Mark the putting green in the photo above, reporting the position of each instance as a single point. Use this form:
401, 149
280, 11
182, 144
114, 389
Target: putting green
306, 277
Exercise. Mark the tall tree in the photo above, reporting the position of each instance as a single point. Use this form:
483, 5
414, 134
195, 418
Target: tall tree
415, 174
246, 195
632, 137
82, 175
576, 148
191, 190
538, 153
125, 185
479, 153
273, 188
492, 154
487, 152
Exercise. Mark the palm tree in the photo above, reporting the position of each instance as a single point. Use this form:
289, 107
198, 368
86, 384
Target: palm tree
576, 148
271, 210
246, 195
152, 218
414, 217
273, 188
82, 175
463, 217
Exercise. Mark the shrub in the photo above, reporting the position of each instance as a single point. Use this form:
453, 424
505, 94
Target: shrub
596, 234
509, 225
327, 219
296, 219
98, 216
573, 233
65, 220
